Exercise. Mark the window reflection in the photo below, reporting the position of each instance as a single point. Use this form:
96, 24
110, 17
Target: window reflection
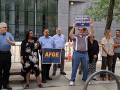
20, 16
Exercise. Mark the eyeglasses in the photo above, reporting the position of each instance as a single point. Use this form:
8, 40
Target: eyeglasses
80, 29
93, 36
4, 27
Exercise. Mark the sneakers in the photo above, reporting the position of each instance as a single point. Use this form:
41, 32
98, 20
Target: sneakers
89, 83
72, 83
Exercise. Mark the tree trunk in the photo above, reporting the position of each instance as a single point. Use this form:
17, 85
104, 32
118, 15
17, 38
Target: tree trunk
110, 15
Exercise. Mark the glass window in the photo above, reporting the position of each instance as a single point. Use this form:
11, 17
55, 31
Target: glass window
39, 18
52, 6
31, 18
24, 15
12, 4
52, 30
42, 5
30, 4
52, 19
39, 31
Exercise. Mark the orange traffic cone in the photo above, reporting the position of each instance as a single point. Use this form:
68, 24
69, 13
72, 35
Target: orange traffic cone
72, 43
69, 57
69, 42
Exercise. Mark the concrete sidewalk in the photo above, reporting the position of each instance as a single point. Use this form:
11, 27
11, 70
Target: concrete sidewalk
61, 82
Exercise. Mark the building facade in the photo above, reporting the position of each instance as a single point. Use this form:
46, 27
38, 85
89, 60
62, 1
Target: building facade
24, 15
67, 12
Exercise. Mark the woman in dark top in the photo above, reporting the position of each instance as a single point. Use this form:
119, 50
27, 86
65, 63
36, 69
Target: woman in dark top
29, 58
93, 50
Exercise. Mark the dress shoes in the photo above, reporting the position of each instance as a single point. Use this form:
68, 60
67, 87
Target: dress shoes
63, 73
43, 81
7, 87
54, 74
48, 78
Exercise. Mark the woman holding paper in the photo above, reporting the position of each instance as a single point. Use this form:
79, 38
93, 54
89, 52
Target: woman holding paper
29, 58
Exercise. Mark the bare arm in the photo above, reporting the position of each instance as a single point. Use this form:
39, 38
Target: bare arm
11, 43
116, 45
38, 43
103, 46
92, 29
71, 32
22, 62
112, 48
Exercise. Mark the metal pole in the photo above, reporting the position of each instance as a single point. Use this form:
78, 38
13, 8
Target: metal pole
35, 15
99, 72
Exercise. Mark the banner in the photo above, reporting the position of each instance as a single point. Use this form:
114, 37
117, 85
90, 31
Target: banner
82, 21
51, 55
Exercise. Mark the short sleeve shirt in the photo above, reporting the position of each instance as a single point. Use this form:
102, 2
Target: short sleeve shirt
4, 45
46, 42
108, 46
81, 42
117, 41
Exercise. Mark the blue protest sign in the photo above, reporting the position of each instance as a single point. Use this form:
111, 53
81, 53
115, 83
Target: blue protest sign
51, 56
82, 21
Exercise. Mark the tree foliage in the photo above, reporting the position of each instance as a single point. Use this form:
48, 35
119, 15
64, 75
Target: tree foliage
98, 10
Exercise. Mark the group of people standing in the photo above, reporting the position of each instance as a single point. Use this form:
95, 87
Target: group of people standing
85, 47
29, 55
30, 59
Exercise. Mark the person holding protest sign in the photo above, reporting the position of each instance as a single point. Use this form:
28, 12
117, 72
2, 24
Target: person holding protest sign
80, 53
80, 66
46, 42
6, 41
29, 58
107, 53
60, 41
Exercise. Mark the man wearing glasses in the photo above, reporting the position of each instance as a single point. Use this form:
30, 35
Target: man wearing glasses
80, 53
85, 30
6, 40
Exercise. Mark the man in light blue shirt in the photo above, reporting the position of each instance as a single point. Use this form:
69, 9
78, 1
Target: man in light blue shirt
6, 40
60, 41
46, 42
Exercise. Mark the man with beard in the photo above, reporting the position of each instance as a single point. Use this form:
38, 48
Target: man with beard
116, 49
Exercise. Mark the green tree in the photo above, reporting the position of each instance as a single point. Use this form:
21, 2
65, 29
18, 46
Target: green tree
104, 9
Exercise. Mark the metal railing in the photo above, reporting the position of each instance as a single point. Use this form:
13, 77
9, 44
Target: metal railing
99, 72
15, 50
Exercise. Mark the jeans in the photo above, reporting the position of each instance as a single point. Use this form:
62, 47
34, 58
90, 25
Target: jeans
78, 57
114, 61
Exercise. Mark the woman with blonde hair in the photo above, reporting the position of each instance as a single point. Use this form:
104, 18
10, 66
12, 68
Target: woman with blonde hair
107, 53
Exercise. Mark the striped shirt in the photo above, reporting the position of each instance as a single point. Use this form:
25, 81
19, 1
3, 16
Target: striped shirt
81, 42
